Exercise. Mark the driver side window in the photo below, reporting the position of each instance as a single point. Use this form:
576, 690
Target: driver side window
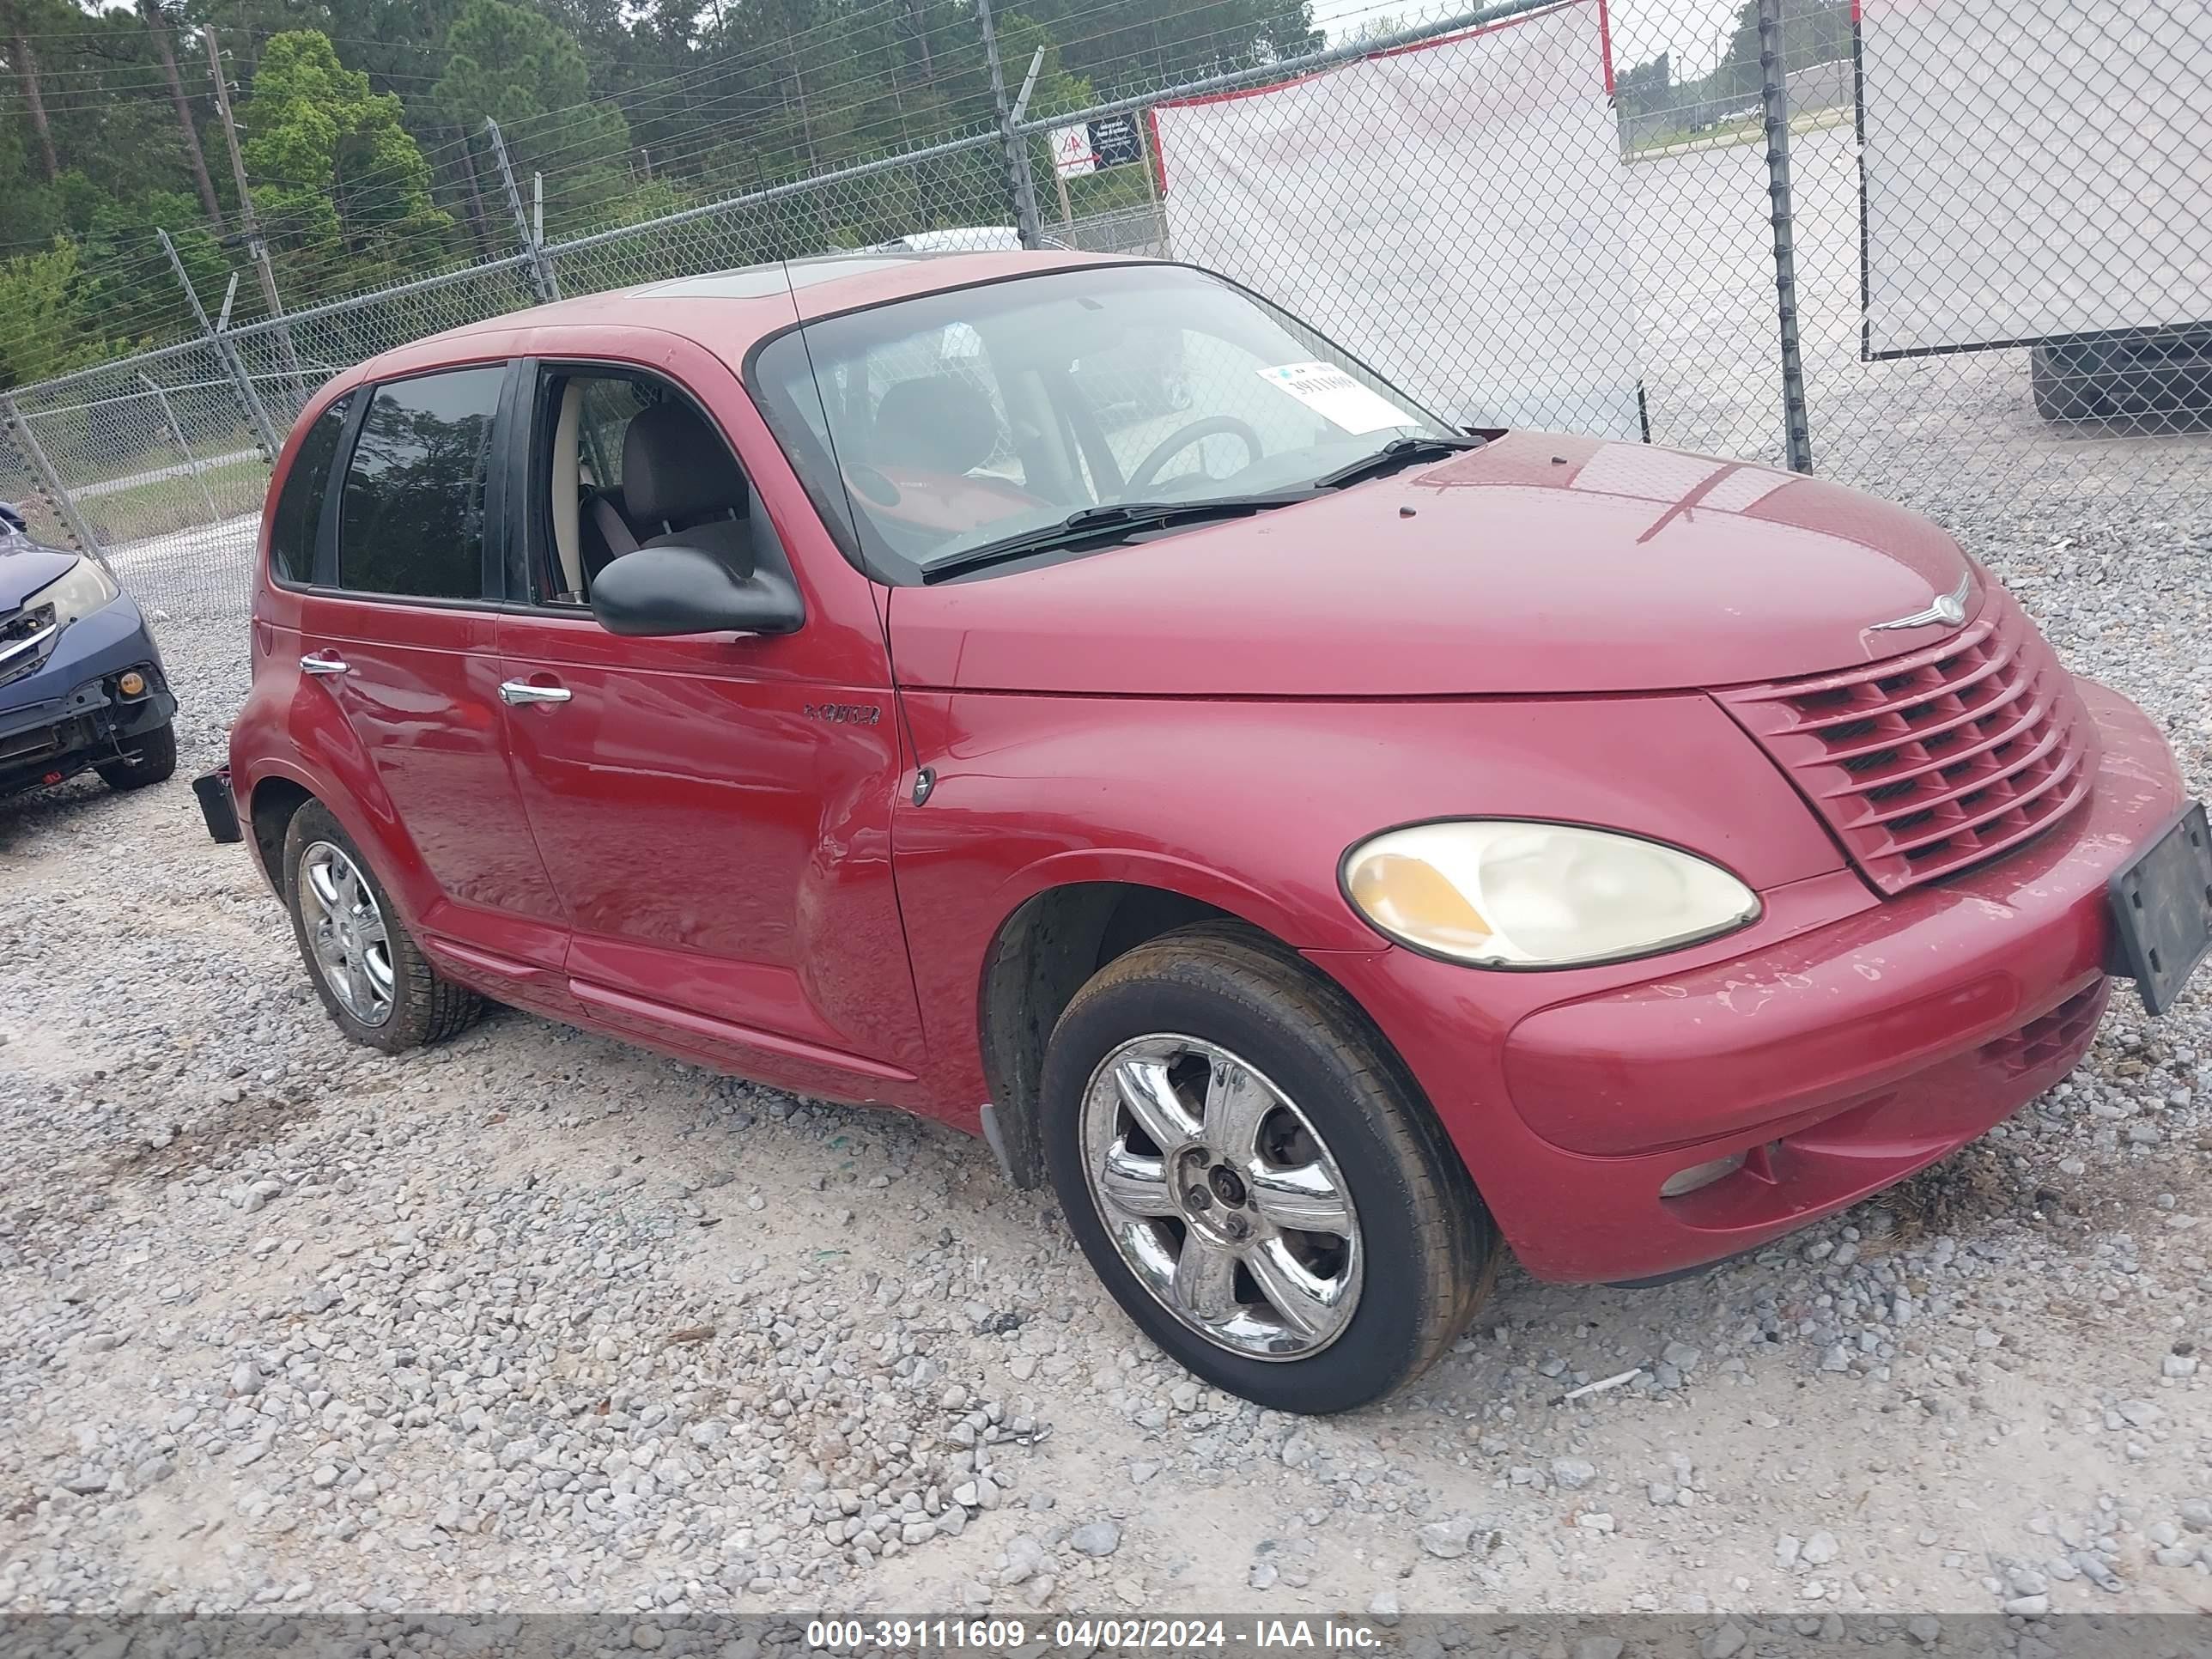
625, 460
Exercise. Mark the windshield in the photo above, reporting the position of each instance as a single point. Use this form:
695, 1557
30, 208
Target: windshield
962, 419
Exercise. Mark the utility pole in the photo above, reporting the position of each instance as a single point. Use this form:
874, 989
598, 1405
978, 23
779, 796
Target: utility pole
921, 10
255, 246
541, 268
237, 172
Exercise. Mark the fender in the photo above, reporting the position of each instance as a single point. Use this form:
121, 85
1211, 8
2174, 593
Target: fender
1247, 806
323, 756
1207, 884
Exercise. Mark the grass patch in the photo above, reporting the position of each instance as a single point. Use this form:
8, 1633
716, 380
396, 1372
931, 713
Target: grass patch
162, 507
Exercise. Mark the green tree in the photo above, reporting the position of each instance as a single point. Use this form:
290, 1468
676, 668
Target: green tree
1815, 34
23, 63
157, 32
128, 281
34, 202
1128, 46
520, 69
1645, 87
340, 183
108, 128
49, 328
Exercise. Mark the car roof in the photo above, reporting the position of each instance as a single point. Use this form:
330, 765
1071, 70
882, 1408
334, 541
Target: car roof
730, 311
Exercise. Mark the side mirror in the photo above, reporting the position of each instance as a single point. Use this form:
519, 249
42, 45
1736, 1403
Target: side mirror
670, 589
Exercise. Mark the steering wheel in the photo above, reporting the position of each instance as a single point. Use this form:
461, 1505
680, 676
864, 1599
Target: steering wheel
1184, 436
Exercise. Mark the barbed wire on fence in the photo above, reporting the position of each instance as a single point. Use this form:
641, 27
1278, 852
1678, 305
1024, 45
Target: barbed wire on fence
1546, 212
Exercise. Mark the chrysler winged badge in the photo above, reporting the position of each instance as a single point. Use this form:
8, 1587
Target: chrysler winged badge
1949, 609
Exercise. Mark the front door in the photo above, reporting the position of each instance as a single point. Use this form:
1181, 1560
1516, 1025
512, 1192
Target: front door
401, 631
715, 810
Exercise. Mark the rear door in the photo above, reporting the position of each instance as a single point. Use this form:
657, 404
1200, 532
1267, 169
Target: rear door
400, 629
714, 810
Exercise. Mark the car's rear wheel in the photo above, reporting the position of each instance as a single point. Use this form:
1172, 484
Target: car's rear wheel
1254, 1176
149, 758
365, 965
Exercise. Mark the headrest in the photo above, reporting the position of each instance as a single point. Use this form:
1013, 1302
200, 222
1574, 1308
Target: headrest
937, 423
675, 467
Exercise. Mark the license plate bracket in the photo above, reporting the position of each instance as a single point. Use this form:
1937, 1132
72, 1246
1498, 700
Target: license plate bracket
213, 791
2161, 907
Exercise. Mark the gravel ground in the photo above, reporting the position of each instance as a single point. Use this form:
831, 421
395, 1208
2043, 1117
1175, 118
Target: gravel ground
534, 1320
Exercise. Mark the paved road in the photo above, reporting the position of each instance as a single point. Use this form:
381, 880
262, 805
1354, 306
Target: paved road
155, 475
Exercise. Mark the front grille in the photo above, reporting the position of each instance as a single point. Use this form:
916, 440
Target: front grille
1927, 764
2051, 1037
21, 646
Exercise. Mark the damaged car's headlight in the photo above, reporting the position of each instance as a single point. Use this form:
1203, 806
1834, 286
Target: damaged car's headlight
1506, 893
83, 588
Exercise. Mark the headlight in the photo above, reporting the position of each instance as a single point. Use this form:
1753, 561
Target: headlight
81, 590
1498, 893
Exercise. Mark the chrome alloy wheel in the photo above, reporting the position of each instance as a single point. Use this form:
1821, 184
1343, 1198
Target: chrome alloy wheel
1223, 1200
346, 930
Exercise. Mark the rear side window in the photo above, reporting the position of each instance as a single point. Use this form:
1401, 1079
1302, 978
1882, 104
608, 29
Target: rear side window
299, 504
411, 517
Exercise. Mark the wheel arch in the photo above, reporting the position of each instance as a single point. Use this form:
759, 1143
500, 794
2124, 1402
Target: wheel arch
1044, 950
271, 805
277, 787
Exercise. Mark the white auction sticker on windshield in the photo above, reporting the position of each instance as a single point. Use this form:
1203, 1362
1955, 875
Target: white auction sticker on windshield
1337, 398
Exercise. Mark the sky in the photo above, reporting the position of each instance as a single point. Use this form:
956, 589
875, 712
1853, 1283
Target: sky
1691, 30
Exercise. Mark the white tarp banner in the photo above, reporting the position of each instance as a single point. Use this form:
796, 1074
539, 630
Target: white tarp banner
1354, 197
2036, 168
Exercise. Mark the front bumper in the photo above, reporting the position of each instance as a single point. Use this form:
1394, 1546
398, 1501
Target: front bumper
69, 715
1860, 1040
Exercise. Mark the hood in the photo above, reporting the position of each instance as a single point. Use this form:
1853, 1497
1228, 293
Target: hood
1535, 564
24, 568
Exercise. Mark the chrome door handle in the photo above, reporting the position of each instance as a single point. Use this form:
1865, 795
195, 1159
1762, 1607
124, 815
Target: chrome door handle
515, 692
324, 662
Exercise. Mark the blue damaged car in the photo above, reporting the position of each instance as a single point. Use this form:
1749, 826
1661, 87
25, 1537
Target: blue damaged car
81, 682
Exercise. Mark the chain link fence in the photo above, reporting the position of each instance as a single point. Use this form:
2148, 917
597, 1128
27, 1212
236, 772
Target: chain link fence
1956, 254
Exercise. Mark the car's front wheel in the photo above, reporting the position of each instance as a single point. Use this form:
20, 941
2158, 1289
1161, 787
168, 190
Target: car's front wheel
1254, 1176
149, 758
370, 974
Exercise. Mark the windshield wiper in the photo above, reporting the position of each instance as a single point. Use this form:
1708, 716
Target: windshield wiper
1107, 519
1399, 451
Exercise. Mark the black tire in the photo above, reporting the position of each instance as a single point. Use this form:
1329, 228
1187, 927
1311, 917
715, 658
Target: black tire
2067, 388
1420, 1221
149, 758
426, 1007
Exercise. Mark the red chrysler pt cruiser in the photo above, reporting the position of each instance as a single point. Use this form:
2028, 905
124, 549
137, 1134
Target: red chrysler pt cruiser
1072, 698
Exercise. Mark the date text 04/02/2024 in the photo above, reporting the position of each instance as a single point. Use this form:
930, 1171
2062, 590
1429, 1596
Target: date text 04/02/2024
1085, 1635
